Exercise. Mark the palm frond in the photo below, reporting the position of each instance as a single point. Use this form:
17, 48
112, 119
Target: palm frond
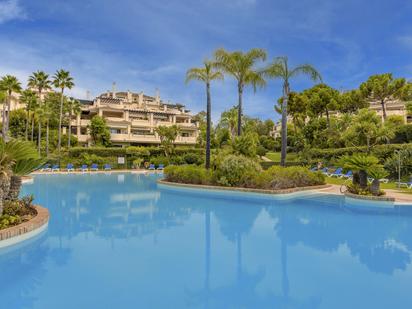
306, 69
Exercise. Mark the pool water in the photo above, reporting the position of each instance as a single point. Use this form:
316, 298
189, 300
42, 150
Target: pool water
121, 241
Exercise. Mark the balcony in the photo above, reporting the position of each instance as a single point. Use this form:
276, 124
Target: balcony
149, 139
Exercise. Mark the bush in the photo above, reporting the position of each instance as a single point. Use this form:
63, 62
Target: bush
276, 178
236, 171
188, 174
193, 158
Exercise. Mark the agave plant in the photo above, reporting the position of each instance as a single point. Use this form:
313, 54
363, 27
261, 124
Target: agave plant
361, 164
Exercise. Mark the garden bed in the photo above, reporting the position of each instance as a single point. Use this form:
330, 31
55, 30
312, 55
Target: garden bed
370, 197
240, 189
27, 229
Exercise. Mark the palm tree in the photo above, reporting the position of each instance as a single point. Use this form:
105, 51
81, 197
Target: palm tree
279, 69
40, 81
205, 74
17, 158
40, 113
242, 67
62, 80
29, 98
74, 109
9, 84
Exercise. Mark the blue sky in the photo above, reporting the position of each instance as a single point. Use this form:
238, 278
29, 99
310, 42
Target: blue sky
149, 44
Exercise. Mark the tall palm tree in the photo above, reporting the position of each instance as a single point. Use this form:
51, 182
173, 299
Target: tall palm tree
241, 66
9, 84
41, 116
28, 97
279, 69
205, 74
74, 109
40, 81
62, 80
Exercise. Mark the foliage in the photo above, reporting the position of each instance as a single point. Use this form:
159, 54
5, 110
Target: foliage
167, 137
276, 178
188, 174
99, 131
235, 170
246, 144
392, 164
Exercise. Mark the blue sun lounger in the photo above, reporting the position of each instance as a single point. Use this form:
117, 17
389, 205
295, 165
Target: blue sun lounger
46, 168
161, 167
55, 168
337, 173
84, 168
70, 167
152, 167
107, 167
94, 167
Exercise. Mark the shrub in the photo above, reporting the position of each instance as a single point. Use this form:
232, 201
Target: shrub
277, 177
236, 171
193, 158
188, 174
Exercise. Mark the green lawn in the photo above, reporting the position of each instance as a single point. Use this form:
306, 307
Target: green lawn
275, 156
390, 185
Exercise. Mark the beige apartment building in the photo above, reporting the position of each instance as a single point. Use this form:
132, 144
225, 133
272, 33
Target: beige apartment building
133, 117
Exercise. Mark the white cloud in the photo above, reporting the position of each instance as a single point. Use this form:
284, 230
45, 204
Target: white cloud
10, 10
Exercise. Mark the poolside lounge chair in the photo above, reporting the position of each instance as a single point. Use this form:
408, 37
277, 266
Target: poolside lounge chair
94, 167
107, 167
161, 167
324, 170
84, 168
152, 167
337, 173
46, 168
70, 167
349, 174
55, 168
404, 184
314, 169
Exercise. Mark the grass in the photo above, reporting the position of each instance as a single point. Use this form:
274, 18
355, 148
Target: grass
275, 156
390, 185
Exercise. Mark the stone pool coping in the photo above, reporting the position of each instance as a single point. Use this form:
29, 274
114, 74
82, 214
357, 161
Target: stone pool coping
370, 197
246, 190
25, 230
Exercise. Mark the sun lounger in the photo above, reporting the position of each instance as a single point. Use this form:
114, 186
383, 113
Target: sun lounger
94, 167
324, 170
46, 168
70, 167
314, 169
84, 168
349, 174
337, 173
152, 167
161, 167
107, 167
55, 168
404, 184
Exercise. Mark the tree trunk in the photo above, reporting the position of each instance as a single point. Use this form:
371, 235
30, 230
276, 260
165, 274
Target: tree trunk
39, 137
15, 186
32, 127
363, 179
4, 189
375, 187
327, 118
239, 110
47, 137
208, 124
284, 132
39, 126
70, 130
383, 109
7, 119
26, 132
59, 142
3, 121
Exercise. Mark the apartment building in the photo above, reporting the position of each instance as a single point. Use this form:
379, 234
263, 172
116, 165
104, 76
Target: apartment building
133, 117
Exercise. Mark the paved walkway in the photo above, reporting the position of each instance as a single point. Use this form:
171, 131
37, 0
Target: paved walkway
399, 196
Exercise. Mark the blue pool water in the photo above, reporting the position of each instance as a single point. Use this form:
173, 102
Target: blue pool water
120, 241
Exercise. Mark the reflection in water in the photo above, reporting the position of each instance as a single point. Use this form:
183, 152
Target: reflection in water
222, 251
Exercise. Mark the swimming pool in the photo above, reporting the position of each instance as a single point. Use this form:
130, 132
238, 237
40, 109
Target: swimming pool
120, 241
